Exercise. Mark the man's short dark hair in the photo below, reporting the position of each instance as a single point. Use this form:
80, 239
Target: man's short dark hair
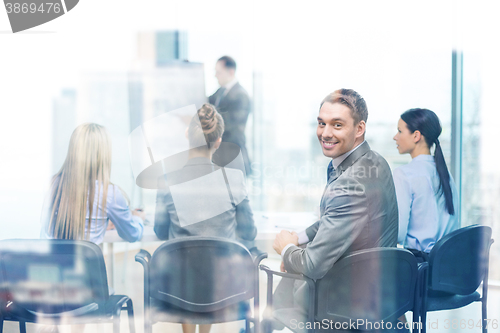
229, 62
352, 100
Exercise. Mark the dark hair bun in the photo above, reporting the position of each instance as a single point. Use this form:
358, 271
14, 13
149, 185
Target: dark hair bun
207, 117
206, 127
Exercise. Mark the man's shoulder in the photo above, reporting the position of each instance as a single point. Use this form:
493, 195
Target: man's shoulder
370, 167
370, 159
211, 99
238, 91
372, 156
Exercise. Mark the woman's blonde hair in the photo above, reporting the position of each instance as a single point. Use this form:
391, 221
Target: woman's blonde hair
87, 165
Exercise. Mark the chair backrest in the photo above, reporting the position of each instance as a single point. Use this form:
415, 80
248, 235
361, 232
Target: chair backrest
458, 261
202, 274
51, 276
374, 285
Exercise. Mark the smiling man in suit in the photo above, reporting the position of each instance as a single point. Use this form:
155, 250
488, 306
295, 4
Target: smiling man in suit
358, 207
233, 103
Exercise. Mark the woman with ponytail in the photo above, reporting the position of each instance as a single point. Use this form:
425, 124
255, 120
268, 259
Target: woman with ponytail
427, 196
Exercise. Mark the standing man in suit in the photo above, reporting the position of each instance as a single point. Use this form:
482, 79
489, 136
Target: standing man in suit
233, 103
358, 207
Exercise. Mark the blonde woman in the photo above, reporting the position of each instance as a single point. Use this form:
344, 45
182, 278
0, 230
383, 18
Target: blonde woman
84, 179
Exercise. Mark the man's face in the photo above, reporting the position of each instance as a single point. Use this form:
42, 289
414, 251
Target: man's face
336, 130
223, 74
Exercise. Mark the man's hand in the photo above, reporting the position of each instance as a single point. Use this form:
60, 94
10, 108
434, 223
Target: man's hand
283, 239
282, 267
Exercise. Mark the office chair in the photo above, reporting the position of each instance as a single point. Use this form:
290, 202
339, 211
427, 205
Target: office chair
57, 282
200, 280
371, 285
458, 264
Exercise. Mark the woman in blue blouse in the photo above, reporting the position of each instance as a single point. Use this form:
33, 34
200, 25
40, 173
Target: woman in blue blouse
83, 179
426, 194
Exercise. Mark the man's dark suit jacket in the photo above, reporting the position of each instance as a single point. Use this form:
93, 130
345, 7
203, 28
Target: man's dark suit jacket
234, 108
358, 211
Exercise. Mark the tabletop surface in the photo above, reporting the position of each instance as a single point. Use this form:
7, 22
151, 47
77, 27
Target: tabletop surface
268, 225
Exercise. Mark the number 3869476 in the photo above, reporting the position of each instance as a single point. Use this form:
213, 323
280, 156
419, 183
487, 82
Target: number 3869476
25, 8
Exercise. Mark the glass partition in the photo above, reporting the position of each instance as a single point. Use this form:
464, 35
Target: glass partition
480, 172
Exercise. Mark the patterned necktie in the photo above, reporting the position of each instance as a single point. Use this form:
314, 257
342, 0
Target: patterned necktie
219, 96
330, 171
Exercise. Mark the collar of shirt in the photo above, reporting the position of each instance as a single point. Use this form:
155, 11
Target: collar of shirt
339, 159
229, 85
423, 157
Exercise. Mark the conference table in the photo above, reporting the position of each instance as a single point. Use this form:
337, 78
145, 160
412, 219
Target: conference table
268, 224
